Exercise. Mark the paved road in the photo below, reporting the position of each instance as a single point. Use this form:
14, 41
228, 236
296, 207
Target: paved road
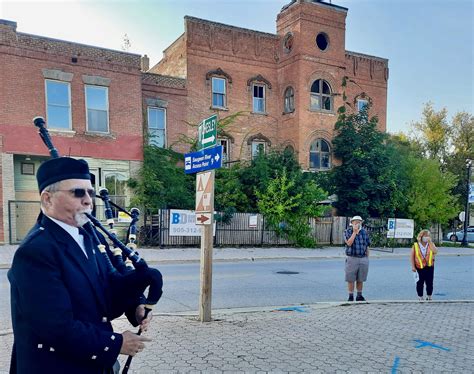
258, 283
375, 337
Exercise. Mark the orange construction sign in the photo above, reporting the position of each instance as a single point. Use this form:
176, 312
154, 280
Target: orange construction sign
204, 192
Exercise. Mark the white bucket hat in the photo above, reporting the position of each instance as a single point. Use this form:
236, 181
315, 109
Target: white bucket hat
356, 218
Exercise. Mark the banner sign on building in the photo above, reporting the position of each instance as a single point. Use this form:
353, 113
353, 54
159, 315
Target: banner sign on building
399, 228
183, 223
471, 193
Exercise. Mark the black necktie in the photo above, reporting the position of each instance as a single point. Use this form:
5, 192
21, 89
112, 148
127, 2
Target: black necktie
89, 249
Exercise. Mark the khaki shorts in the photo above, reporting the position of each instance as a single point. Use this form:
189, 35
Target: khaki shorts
356, 269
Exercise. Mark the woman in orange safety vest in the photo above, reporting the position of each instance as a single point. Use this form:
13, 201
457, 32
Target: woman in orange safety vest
422, 261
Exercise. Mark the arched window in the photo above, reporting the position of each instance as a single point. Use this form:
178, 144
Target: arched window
259, 144
321, 97
225, 143
258, 147
319, 155
289, 100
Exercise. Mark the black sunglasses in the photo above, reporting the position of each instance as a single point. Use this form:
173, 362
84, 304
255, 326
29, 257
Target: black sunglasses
81, 192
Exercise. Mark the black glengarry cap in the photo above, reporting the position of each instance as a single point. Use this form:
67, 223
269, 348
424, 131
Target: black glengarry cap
59, 169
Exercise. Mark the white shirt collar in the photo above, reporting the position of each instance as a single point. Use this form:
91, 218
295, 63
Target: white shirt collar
424, 248
71, 230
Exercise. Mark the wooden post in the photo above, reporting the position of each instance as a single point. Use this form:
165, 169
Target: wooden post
205, 296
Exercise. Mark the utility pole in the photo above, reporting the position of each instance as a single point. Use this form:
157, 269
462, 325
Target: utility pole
464, 241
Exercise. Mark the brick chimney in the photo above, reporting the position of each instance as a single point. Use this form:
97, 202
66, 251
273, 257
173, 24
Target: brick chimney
7, 31
145, 63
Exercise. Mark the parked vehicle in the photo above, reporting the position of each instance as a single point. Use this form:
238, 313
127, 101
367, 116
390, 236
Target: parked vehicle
457, 236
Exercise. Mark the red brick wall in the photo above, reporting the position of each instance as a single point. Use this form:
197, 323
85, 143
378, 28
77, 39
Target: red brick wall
174, 60
173, 92
243, 54
2, 232
22, 94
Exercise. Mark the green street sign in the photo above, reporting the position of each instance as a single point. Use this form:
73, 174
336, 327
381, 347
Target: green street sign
208, 132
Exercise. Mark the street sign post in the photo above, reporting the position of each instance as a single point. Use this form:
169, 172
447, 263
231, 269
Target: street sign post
206, 159
203, 163
208, 132
204, 216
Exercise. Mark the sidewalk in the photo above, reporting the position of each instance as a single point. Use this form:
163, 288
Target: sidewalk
169, 255
376, 337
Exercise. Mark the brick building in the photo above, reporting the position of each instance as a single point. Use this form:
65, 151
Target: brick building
91, 100
102, 105
288, 84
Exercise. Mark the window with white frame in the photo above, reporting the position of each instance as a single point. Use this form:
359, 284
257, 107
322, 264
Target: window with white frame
116, 184
58, 104
319, 155
218, 92
225, 151
361, 104
157, 127
259, 98
321, 97
258, 147
97, 106
289, 100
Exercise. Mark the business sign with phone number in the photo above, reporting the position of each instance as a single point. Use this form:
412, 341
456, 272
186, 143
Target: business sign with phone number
400, 228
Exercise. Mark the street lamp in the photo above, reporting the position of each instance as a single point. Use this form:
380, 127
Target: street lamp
466, 210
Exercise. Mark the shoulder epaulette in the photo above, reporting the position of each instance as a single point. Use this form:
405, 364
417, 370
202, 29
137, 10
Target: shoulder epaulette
34, 232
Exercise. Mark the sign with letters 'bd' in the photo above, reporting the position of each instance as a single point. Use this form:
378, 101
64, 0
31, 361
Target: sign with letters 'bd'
399, 228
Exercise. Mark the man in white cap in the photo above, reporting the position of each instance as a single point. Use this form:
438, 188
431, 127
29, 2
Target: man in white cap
357, 261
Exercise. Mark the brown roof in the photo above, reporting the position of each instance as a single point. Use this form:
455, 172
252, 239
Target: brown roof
163, 80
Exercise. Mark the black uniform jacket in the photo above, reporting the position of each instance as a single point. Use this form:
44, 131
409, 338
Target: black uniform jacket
61, 306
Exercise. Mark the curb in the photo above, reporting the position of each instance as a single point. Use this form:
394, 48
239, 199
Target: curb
313, 306
288, 308
277, 258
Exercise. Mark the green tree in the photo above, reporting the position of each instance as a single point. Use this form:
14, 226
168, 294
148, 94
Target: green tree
366, 181
229, 194
429, 194
162, 182
256, 174
463, 148
432, 133
287, 210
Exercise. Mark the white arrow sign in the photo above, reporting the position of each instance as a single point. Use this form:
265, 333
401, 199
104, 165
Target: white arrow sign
208, 140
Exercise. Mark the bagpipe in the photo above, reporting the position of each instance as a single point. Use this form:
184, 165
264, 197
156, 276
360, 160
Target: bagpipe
124, 265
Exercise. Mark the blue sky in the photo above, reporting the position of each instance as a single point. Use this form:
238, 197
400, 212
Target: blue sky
429, 43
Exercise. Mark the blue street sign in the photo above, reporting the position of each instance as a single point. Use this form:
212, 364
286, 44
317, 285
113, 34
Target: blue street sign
206, 159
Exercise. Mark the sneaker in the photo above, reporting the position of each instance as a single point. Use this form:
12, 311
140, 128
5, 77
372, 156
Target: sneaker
351, 298
429, 298
360, 298
420, 298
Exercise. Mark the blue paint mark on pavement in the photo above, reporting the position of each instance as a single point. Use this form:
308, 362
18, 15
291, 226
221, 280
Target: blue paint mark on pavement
395, 365
294, 309
422, 343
